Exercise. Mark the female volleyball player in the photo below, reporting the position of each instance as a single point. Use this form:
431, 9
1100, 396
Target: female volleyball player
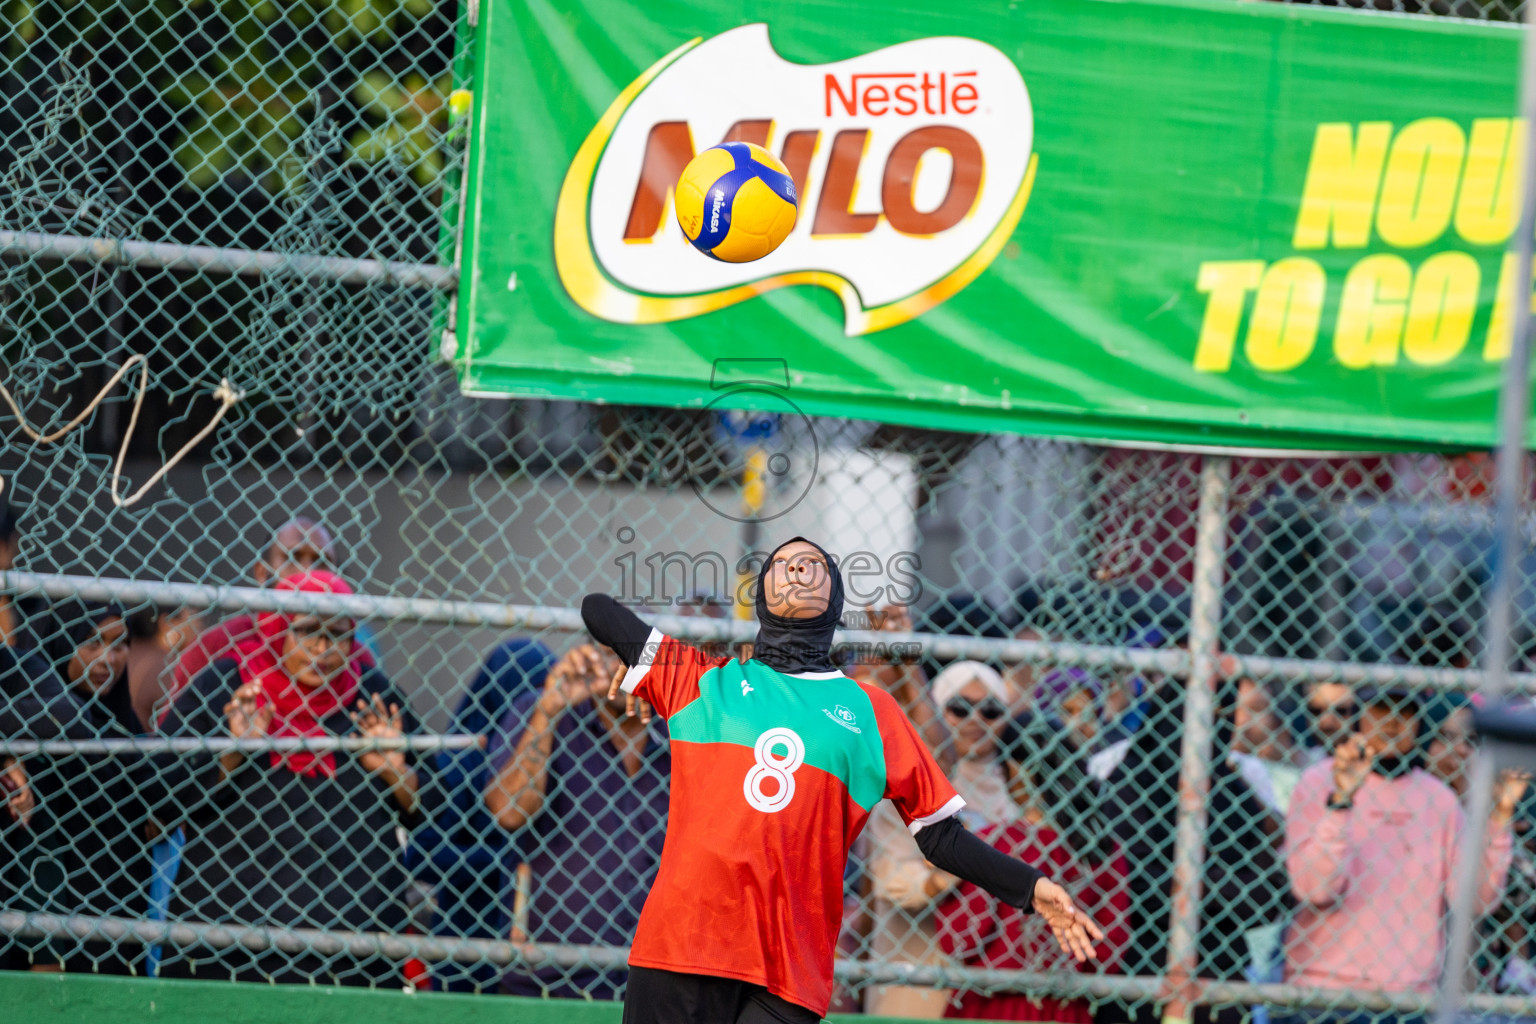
776, 764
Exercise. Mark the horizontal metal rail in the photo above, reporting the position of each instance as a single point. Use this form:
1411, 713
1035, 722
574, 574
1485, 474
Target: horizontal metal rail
1354, 673
704, 629
1063, 984
246, 262
225, 744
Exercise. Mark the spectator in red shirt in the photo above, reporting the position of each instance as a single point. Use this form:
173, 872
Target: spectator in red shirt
1058, 824
299, 545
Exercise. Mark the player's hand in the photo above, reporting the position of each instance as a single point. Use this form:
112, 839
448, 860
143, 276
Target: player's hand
1507, 793
632, 704
1351, 766
1073, 928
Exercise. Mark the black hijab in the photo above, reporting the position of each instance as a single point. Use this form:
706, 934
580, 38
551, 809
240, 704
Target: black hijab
797, 645
76, 622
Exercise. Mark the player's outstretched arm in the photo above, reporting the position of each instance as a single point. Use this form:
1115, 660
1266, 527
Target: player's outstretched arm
949, 846
615, 626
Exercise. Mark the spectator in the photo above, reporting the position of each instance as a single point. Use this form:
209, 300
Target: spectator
95, 664
904, 679
1058, 823
1261, 746
300, 839
1449, 749
1026, 606
1123, 705
298, 546
26, 685
1075, 698
10, 547
1372, 843
1330, 716
960, 613
156, 638
974, 701
463, 852
866, 915
19, 616
34, 705
1243, 885
92, 825
1450, 743
1263, 754
583, 789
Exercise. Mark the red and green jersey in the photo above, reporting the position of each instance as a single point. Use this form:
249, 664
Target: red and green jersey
773, 777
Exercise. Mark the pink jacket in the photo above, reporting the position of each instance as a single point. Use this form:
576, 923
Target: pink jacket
1375, 881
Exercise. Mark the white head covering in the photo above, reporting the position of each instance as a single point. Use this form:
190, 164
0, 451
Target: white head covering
954, 679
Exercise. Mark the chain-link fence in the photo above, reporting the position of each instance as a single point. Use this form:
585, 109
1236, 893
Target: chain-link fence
240, 205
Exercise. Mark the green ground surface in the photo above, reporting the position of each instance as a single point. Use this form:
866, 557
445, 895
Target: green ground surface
83, 999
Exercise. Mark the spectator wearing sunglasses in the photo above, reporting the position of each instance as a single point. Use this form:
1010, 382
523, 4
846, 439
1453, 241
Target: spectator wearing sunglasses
973, 702
1059, 823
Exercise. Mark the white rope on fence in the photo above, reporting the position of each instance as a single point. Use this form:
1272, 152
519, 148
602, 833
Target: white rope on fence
226, 394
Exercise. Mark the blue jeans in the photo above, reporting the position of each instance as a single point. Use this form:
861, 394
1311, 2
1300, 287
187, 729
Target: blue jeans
167, 857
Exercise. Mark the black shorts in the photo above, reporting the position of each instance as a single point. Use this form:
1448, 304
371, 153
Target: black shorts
667, 997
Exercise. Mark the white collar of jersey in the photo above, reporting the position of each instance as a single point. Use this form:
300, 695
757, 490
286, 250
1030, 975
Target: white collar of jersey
834, 674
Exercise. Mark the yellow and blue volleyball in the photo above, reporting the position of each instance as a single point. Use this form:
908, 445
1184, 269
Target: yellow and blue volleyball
736, 202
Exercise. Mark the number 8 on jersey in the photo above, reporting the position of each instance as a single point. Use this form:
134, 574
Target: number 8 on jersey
771, 766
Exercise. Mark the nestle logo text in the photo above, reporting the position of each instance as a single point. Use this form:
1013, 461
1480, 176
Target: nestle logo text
903, 93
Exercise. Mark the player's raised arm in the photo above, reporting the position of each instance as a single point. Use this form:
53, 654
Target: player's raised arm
613, 625
661, 672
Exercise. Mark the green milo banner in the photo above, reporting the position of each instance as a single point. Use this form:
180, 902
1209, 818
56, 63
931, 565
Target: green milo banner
1205, 222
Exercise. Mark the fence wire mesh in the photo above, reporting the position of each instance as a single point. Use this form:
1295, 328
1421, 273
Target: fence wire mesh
250, 198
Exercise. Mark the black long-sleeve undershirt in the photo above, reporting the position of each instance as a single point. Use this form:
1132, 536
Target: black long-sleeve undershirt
950, 846
613, 625
947, 844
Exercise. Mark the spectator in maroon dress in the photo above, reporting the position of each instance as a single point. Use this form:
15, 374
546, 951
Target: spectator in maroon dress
1058, 824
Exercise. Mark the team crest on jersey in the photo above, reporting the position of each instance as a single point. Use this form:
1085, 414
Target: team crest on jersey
843, 717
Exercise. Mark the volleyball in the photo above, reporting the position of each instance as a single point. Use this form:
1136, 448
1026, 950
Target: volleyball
736, 202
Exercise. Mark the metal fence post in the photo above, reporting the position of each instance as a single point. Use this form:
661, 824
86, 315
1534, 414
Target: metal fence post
1509, 488
1199, 715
